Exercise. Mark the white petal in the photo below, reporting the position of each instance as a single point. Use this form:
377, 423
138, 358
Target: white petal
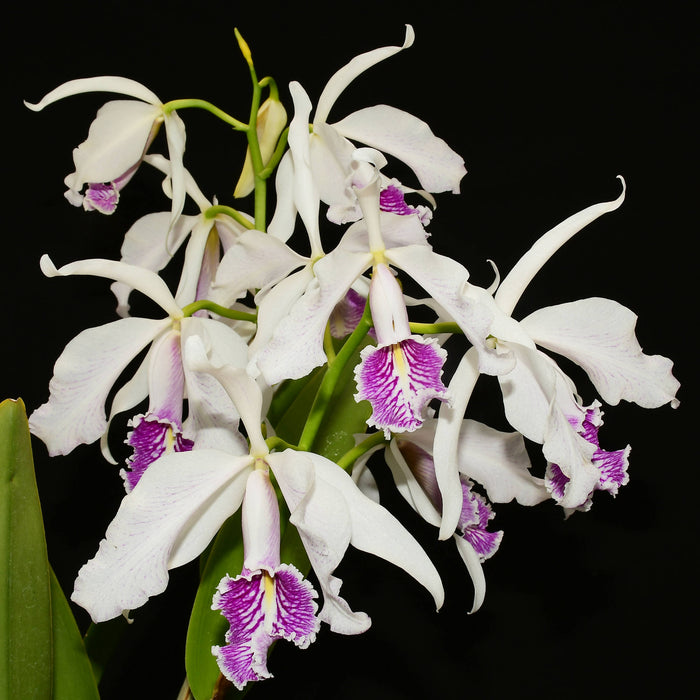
136, 277
297, 344
284, 219
320, 513
83, 376
116, 142
149, 244
175, 134
408, 487
168, 519
400, 134
212, 418
255, 261
243, 390
598, 334
306, 197
377, 531
472, 308
471, 561
358, 65
500, 463
446, 442
104, 83
529, 265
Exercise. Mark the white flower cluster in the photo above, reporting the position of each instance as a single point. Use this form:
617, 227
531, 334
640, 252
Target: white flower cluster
275, 374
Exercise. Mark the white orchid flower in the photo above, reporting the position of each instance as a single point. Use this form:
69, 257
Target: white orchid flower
389, 130
296, 346
498, 461
540, 400
183, 499
151, 242
94, 360
117, 141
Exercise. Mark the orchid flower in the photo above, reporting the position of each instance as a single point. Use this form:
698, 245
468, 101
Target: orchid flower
498, 461
151, 242
92, 362
296, 347
156, 529
540, 399
118, 139
387, 129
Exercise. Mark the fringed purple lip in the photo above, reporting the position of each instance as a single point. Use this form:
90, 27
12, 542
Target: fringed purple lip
262, 607
399, 380
151, 438
612, 465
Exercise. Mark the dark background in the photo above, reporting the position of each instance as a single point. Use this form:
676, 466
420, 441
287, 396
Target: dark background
547, 103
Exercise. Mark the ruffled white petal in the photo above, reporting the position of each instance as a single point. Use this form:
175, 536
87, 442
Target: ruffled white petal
400, 134
500, 463
598, 334
83, 376
168, 519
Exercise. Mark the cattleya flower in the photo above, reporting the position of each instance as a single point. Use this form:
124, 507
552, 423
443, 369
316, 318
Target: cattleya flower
93, 361
155, 529
497, 460
118, 139
540, 400
296, 345
151, 242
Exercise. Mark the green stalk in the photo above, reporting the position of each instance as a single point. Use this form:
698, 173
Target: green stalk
351, 456
209, 107
217, 209
195, 306
435, 328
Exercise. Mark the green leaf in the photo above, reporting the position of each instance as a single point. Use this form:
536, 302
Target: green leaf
73, 675
346, 416
26, 654
207, 627
293, 406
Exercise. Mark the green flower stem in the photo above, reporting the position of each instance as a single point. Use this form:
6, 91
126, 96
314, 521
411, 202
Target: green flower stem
277, 443
435, 328
351, 456
217, 209
209, 107
330, 380
195, 306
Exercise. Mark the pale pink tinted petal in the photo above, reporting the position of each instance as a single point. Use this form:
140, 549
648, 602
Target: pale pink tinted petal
260, 523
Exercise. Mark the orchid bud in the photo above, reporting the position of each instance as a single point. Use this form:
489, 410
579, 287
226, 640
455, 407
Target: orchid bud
272, 118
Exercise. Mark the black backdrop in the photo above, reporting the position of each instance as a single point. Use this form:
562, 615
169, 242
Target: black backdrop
547, 103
